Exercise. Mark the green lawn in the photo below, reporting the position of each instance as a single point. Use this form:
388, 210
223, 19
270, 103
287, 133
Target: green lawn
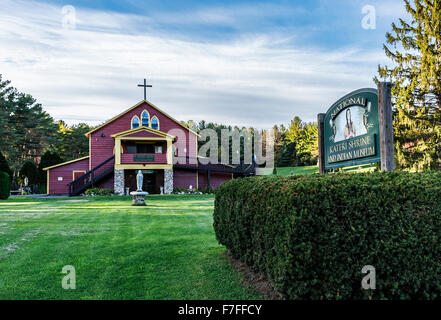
166, 250
287, 171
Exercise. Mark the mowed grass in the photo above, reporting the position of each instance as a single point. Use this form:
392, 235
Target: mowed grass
166, 250
302, 170
287, 171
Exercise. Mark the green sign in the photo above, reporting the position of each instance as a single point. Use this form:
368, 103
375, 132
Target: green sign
144, 158
351, 130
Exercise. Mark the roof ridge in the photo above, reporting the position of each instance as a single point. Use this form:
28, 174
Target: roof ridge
135, 106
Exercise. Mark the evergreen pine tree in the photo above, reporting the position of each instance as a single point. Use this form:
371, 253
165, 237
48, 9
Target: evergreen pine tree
416, 85
25, 128
287, 155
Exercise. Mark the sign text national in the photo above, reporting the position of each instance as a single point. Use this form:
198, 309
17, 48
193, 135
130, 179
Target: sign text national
351, 130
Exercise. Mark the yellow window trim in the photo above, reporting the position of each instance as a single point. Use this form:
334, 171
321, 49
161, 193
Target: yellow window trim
90, 152
76, 171
141, 166
141, 128
131, 122
146, 139
150, 122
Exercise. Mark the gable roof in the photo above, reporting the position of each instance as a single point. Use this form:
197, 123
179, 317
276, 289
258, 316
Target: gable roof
140, 129
64, 163
135, 106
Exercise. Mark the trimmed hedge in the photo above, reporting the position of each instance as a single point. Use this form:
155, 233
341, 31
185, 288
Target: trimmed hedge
5, 185
312, 235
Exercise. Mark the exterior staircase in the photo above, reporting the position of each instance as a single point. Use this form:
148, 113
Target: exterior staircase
90, 178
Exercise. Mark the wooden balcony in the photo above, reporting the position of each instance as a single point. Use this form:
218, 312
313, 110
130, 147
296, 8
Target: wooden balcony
129, 157
144, 158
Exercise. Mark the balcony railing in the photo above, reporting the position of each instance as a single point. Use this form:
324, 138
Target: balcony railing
136, 158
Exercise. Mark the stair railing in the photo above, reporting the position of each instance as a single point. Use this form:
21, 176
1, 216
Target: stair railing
92, 176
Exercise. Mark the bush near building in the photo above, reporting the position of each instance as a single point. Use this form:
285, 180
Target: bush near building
312, 235
5, 185
99, 192
4, 166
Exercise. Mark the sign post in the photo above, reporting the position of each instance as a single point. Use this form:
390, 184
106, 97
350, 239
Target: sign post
386, 126
357, 130
321, 147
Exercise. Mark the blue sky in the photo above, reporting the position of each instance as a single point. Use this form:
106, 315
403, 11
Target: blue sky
244, 63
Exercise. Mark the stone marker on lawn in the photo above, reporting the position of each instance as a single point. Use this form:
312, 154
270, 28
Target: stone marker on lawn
139, 195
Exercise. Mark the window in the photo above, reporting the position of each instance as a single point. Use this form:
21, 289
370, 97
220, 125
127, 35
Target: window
158, 149
131, 148
135, 122
134, 148
145, 148
145, 118
155, 123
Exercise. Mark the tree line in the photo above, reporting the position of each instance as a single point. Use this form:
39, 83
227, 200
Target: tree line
295, 145
31, 138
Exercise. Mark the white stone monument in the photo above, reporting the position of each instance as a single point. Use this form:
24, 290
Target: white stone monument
139, 195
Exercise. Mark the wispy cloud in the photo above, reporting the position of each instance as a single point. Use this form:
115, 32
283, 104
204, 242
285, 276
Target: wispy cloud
250, 78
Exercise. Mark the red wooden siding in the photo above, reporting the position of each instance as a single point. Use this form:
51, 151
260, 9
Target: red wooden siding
65, 172
102, 144
184, 178
216, 179
106, 183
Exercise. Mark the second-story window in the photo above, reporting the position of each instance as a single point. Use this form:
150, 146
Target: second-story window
155, 123
135, 122
145, 119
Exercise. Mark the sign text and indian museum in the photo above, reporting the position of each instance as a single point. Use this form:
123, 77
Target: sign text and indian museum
351, 130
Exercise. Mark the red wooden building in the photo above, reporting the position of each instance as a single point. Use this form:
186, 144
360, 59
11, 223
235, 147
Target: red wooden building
141, 138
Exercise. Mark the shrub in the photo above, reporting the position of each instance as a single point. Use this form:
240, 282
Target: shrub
4, 166
207, 190
179, 190
42, 189
98, 192
29, 170
5, 185
186, 191
312, 235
